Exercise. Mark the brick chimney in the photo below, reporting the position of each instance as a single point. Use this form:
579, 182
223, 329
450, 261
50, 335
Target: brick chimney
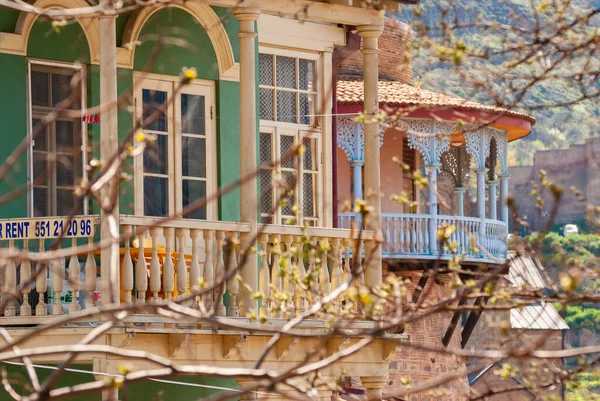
395, 58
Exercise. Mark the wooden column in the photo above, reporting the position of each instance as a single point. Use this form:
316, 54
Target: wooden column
370, 34
109, 143
460, 200
248, 154
481, 200
504, 197
432, 173
492, 195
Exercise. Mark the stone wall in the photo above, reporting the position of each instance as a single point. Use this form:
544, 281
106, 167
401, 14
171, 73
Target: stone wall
575, 167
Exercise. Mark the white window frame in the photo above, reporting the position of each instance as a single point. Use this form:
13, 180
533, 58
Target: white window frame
84, 131
169, 83
299, 131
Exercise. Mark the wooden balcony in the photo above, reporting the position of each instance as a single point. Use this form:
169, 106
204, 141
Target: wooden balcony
180, 257
407, 236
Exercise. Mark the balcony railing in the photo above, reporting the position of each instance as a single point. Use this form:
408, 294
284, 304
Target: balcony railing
165, 261
408, 236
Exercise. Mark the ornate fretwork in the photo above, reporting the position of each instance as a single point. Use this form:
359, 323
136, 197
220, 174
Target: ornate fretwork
501, 138
430, 137
353, 147
455, 165
478, 144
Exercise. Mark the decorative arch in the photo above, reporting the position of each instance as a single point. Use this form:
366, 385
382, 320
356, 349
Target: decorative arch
17, 43
205, 15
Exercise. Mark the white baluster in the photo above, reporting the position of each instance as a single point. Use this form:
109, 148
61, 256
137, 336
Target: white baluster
414, 234
324, 276
276, 281
264, 283
10, 282
395, 234
233, 285
401, 235
336, 269
209, 272
57, 269
182, 273
127, 265
155, 284
388, 237
420, 247
168, 268
426, 236
141, 270
220, 274
195, 270
299, 295
25, 277
288, 279
41, 284
74, 283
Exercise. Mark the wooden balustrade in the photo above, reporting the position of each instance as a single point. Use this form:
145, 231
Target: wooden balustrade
299, 266
407, 236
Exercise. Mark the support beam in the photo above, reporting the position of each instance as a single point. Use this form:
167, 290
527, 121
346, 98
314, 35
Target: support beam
453, 323
109, 144
471, 321
374, 386
370, 34
248, 154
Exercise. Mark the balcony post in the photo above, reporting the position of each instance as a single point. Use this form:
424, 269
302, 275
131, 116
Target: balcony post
109, 143
481, 200
432, 173
247, 17
370, 35
492, 187
460, 200
357, 171
504, 197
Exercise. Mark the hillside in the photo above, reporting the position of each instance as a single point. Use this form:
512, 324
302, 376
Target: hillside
557, 127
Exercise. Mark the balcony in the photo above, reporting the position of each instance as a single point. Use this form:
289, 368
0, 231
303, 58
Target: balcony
174, 265
409, 236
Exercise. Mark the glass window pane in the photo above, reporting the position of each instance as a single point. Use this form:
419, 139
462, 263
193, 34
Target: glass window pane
152, 101
192, 114
310, 158
286, 72
193, 160
286, 144
309, 195
155, 156
66, 203
40, 142
62, 89
265, 69
306, 70
193, 191
265, 148
288, 178
40, 169
65, 171
266, 104
155, 196
307, 108
40, 202
266, 192
39, 88
67, 139
286, 106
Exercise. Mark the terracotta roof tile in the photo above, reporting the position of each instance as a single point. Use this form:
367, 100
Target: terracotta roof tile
395, 93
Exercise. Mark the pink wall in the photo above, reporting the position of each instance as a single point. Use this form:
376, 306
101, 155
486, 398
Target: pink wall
391, 174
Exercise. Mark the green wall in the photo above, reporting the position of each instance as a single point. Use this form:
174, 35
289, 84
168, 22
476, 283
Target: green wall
140, 391
185, 44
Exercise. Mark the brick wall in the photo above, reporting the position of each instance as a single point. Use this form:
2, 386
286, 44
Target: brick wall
418, 366
395, 57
